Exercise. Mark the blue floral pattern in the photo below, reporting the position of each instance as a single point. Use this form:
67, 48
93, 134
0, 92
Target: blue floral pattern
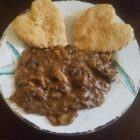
15, 55
124, 78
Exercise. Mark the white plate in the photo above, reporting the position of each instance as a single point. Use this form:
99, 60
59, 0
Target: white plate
118, 100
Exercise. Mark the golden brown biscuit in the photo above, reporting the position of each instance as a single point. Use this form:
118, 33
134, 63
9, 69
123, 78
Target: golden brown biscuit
98, 31
42, 27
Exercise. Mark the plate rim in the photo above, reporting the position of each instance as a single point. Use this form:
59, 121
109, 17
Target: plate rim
29, 123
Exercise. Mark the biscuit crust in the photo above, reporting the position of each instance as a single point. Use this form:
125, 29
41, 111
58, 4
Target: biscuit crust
97, 30
42, 27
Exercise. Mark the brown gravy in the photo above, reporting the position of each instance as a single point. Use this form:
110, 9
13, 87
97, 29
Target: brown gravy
57, 82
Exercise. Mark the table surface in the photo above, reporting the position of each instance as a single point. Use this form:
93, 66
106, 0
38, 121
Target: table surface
126, 128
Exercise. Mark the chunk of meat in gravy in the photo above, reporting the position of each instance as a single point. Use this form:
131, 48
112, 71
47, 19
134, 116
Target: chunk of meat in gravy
57, 82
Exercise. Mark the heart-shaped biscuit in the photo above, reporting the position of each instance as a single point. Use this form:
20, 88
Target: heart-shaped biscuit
98, 30
42, 27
